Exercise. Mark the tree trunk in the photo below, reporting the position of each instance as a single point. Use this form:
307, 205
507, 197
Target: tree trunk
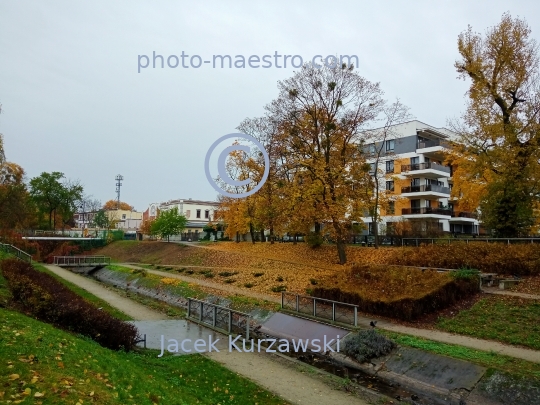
252, 233
237, 237
295, 239
271, 235
341, 251
317, 227
263, 238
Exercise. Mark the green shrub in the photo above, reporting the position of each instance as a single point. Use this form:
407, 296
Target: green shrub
279, 288
279, 279
258, 274
366, 345
313, 281
229, 281
209, 275
190, 271
51, 301
142, 272
228, 273
248, 285
314, 239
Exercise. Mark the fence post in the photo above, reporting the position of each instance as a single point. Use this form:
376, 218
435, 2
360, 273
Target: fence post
297, 303
189, 307
282, 299
214, 316
333, 311
315, 307
355, 317
230, 321
200, 312
247, 328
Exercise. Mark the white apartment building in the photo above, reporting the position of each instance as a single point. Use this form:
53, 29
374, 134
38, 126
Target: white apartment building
198, 213
418, 182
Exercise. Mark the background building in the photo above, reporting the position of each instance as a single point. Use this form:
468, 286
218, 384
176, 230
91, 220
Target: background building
198, 213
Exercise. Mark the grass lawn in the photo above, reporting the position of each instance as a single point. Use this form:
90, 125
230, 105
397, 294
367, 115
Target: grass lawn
44, 365
490, 360
506, 319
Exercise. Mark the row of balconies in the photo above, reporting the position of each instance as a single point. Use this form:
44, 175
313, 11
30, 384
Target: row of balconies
439, 211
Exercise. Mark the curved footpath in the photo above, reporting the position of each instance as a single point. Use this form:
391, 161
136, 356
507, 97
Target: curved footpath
283, 380
438, 336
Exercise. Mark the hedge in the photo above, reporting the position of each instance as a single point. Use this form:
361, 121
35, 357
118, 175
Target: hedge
44, 297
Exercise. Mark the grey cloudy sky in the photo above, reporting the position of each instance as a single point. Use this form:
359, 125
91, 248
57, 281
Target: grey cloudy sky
74, 102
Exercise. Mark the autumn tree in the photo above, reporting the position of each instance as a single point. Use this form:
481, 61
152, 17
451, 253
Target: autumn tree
323, 113
113, 205
15, 206
499, 151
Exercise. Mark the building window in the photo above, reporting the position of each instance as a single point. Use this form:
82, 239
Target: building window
188, 213
391, 207
372, 168
390, 166
198, 213
371, 149
207, 214
390, 185
390, 145
123, 216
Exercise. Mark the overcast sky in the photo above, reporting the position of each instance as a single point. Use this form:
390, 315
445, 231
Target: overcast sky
73, 100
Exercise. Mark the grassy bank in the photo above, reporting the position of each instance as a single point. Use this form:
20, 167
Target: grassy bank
506, 319
490, 360
54, 367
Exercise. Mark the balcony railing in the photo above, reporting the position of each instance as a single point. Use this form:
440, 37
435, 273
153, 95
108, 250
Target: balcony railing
424, 166
464, 214
425, 210
428, 187
428, 143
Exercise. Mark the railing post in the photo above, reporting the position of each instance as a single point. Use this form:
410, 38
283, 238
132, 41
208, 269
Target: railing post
214, 316
333, 311
355, 317
189, 307
297, 303
282, 299
230, 322
200, 312
247, 328
315, 307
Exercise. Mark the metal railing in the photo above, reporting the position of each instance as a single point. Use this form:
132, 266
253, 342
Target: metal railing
447, 241
425, 210
464, 214
81, 261
320, 308
429, 143
427, 187
217, 317
424, 166
18, 253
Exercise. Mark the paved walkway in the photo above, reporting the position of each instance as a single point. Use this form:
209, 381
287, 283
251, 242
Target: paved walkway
282, 380
438, 336
498, 291
131, 308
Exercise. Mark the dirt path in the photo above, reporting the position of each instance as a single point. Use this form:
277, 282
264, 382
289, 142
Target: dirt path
438, 336
282, 380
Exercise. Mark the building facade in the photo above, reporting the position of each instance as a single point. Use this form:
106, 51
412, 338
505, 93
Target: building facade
417, 184
197, 212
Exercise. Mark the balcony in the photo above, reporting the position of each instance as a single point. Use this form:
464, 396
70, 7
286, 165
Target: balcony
428, 190
431, 147
426, 212
429, 170
463, 217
